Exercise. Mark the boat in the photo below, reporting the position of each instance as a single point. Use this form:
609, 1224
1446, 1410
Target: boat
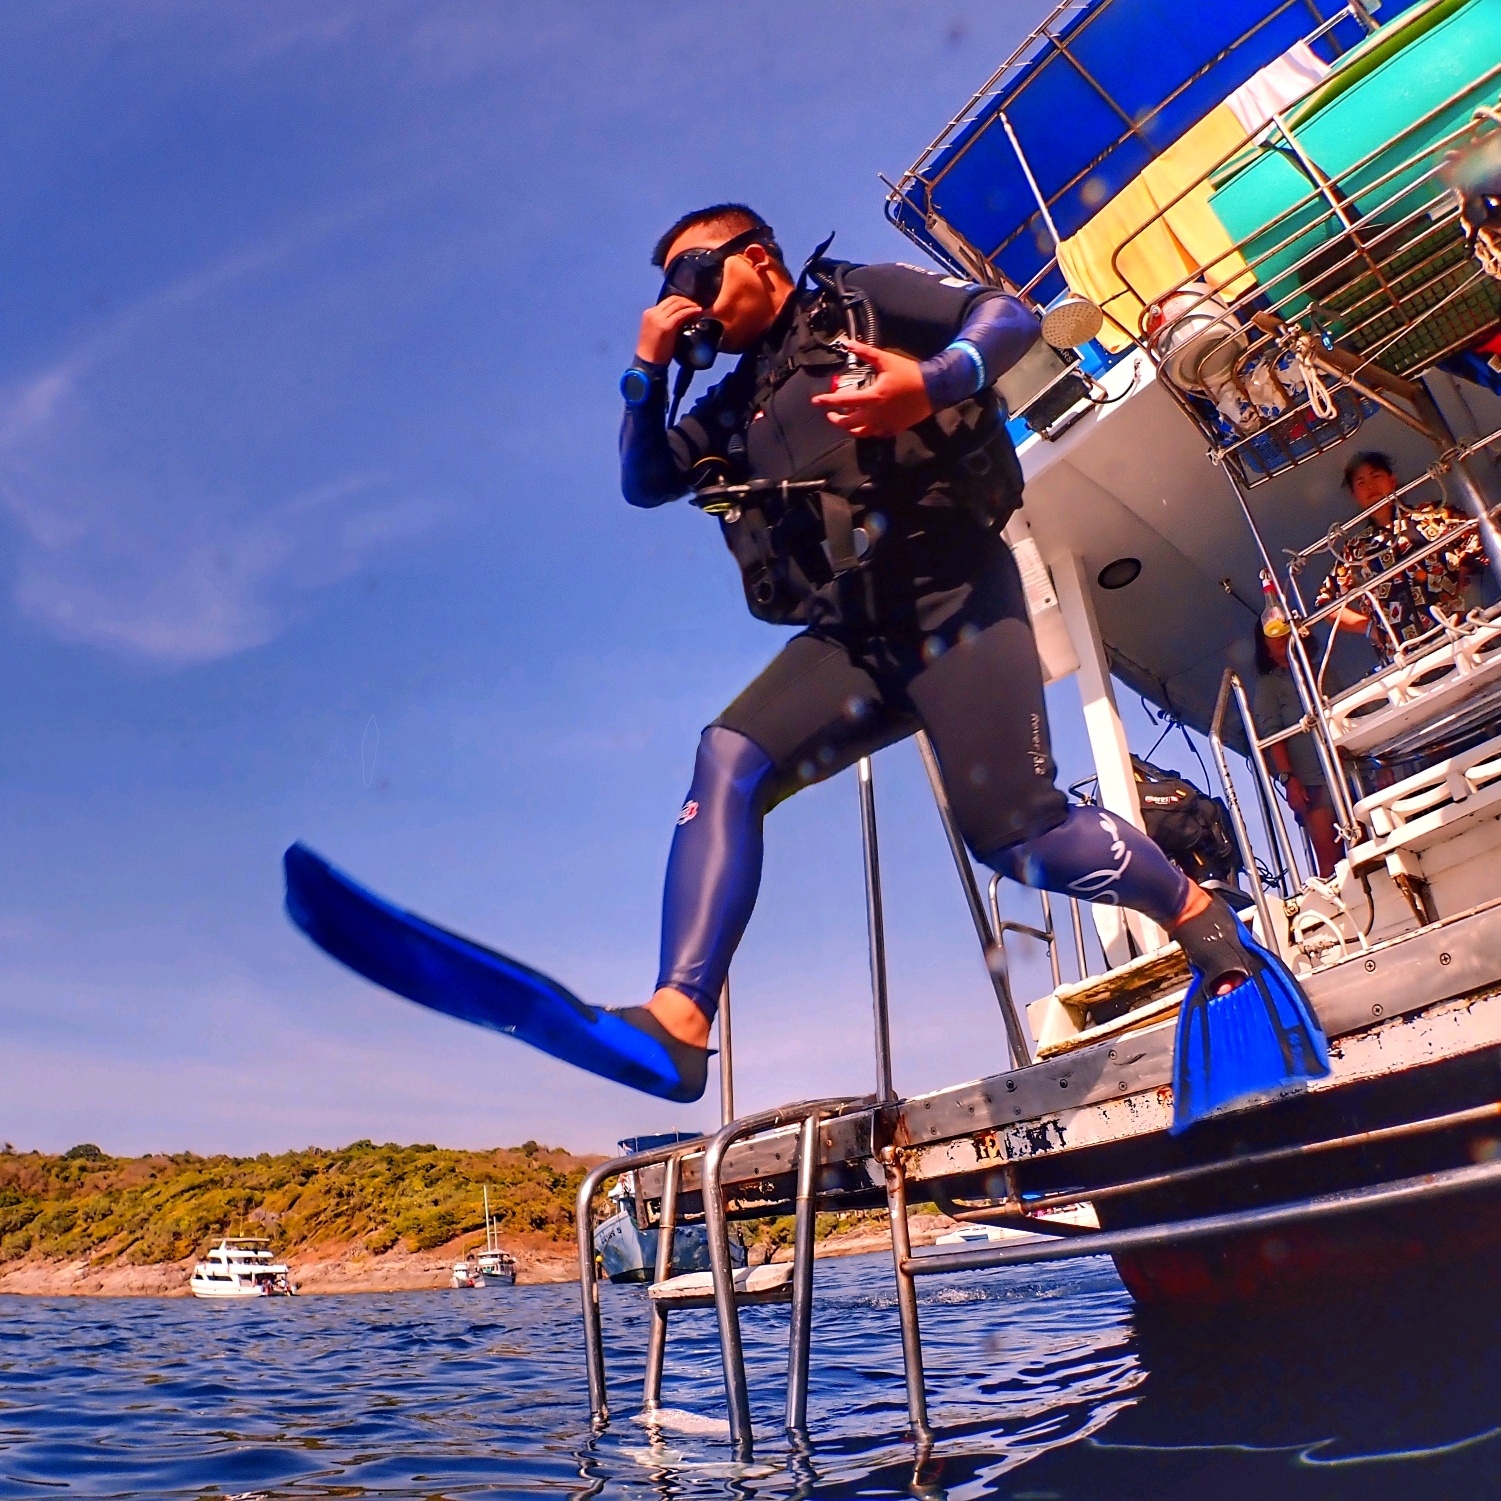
240, 1266
973, 1234
1253, 253
628, 1249
491, 1267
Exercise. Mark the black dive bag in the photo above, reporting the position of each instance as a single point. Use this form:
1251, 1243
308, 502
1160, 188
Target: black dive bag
1191, 828
790, 544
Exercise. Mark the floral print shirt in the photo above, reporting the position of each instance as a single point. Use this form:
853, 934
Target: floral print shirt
1406, 600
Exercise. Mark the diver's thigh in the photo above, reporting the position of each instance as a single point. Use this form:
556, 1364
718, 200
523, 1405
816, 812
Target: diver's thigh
983, 707
814, 711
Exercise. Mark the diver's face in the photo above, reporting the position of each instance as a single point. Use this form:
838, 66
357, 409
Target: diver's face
752, 291
1370, 484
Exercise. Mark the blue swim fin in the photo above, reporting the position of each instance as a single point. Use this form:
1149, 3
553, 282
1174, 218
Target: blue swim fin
1257, 1039
436, 968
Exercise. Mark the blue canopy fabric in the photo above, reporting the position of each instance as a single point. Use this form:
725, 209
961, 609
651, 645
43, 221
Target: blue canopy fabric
1093, 95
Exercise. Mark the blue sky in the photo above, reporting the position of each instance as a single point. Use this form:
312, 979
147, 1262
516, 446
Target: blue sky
312, 317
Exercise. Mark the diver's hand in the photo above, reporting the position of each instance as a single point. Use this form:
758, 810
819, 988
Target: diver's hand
1297, 795
660, 325
890, 404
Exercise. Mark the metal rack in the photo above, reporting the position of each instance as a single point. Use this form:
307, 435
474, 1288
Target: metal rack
1335, 304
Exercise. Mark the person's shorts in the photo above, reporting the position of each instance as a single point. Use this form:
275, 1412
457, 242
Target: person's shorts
1318, 796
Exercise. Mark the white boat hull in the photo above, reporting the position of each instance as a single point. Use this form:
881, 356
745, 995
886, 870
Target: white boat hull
200, 1290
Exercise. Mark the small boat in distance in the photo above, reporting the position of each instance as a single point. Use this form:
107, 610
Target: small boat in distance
628, 1249
240, 1266
1082, 1215
492, 1267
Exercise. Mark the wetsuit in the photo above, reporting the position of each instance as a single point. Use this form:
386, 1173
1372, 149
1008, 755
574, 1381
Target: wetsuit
931, 633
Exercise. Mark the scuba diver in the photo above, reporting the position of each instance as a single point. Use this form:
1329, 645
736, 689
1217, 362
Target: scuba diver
858, 461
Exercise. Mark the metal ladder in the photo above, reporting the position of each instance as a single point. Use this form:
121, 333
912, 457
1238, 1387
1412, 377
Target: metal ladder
729, 1290
724, 1288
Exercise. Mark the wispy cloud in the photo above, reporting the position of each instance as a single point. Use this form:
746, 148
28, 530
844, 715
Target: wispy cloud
155, 472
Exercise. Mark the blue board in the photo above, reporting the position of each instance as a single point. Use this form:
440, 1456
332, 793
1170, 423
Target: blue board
448, 973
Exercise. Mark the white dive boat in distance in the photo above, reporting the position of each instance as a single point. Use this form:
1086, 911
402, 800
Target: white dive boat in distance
491, 1267
1263, 210
1068, 1214
240, 1266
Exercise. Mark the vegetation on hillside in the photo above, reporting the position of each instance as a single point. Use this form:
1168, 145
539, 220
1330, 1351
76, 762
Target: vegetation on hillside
142, 1210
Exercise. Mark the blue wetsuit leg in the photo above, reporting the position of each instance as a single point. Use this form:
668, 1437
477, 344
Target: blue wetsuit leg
714, 870
1098, 857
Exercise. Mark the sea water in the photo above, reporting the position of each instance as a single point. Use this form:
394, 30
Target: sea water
1043, 1383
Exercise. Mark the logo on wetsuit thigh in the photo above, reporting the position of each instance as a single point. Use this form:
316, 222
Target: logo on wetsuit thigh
689, 813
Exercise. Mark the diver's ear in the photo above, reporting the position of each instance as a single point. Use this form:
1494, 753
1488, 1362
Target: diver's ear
765, 265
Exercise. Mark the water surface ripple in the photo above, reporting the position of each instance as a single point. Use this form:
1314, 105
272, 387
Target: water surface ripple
1042, 1384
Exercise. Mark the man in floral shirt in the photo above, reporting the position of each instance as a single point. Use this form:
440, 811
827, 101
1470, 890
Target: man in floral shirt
1389, 535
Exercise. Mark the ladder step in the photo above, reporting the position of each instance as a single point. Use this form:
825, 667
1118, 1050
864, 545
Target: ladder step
771, 1283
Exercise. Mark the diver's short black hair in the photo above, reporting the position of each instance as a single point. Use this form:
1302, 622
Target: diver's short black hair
736, 217
1374, 459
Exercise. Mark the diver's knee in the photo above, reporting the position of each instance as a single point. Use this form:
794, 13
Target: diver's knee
728, 758
1004, 840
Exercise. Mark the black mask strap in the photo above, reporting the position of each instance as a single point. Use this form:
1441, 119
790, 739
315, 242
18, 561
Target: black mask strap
813, 260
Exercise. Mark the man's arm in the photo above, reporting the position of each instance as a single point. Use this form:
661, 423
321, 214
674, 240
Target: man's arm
651, 470
943, 341
1338, 582
996, 332
655, 460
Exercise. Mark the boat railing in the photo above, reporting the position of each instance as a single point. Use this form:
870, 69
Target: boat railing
1283, 846
997, 1150
982, 112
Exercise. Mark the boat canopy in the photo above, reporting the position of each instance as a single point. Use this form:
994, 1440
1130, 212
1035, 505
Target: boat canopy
1097, 92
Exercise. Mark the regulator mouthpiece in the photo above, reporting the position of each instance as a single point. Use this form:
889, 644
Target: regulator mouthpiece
698, 343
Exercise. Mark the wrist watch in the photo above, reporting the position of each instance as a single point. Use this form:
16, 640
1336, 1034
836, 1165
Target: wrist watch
639, 380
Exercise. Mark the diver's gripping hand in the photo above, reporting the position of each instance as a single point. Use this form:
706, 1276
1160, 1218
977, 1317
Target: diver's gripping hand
447, 972
1251, 1043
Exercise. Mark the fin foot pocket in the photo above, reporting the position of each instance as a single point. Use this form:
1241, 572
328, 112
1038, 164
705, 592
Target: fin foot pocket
1257, 1039
446, 972
692, 1063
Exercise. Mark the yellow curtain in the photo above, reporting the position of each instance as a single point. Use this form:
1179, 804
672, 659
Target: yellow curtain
1158, 251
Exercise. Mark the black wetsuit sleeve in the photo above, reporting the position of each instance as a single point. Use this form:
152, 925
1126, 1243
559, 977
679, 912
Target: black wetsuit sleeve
657, 461
923, 315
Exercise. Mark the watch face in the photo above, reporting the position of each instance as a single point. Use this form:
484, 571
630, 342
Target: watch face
635, 386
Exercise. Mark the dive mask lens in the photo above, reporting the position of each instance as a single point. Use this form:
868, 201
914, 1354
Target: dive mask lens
696, 275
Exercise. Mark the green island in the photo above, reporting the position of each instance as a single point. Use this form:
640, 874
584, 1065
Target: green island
84, 1204
146, 1210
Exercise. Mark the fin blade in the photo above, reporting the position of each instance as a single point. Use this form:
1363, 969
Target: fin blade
1258, 1038
446, 972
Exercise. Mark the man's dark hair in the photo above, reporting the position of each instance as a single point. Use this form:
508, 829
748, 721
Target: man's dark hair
735, 217
1372, 458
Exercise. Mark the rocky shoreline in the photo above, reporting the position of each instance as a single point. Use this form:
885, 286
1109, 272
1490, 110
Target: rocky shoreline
353, 1269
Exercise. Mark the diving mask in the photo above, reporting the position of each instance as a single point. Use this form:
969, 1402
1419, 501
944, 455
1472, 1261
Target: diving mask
698, 274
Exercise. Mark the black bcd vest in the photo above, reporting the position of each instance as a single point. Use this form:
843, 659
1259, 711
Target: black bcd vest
791, 549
